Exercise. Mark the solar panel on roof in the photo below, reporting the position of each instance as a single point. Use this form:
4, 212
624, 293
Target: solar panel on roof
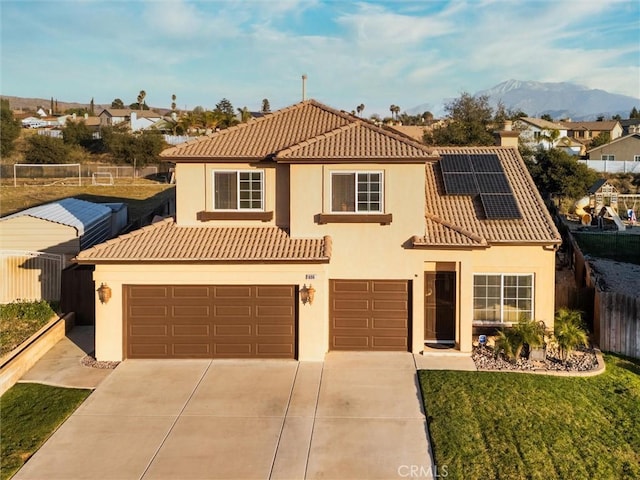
500, 206
460, 183
486, 162
493, 183
455, 163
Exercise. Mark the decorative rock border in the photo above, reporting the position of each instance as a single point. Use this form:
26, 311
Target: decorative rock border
558, 373
16, 363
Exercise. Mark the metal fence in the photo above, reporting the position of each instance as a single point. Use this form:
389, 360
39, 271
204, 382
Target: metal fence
622, 247
612, 166
29, 276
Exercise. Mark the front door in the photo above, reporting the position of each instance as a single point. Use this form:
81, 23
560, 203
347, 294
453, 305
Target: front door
440, 307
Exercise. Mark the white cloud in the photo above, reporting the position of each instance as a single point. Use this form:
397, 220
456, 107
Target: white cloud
376, 27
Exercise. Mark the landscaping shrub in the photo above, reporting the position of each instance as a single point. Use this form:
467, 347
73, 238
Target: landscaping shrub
569, 332
22, 309
19, 320
512, 340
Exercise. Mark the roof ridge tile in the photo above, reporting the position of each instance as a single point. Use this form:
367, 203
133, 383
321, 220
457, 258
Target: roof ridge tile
456, 228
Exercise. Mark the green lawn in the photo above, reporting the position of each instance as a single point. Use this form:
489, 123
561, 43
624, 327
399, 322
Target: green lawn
494, 425
29, 414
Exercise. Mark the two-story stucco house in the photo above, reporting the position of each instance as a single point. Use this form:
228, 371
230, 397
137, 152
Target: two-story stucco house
310, 230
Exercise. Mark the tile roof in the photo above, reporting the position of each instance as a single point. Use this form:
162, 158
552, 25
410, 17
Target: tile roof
79, 214
307, 130
453, 221
166, 241
542, 123
605, 126
360, 141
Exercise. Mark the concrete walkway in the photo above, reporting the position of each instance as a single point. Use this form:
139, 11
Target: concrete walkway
355, 416
61, 367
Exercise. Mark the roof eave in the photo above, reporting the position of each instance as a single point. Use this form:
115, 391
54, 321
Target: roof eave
218, 159
186, 261
358, 159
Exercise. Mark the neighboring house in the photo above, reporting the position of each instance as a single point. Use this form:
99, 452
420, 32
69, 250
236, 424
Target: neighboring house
625, 148
136, 119
571, 146
584, 132
93, 123
630, 126
310, 230
37, 243
538, 133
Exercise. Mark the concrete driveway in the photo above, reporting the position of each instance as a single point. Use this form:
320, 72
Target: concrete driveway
355, 416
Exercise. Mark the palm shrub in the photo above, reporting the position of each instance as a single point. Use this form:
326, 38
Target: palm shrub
569, 332
526, 332
508, 342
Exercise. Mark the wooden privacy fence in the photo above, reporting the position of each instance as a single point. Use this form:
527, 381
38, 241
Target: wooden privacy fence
617, 323
29, 276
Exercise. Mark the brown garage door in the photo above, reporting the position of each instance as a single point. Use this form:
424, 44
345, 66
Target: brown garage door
209, 321
369, 315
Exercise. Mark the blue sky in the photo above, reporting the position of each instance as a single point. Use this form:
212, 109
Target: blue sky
373, 52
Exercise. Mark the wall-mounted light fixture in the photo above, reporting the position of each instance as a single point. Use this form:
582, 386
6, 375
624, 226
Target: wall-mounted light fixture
104, 293
307, 294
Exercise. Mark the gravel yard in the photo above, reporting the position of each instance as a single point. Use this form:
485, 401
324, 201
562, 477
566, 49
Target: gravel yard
619, 277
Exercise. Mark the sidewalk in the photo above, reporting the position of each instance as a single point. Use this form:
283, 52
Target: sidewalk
61, 367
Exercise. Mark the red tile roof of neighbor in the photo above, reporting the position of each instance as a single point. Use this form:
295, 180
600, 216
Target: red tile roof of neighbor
312, 132
164, 241
308, 130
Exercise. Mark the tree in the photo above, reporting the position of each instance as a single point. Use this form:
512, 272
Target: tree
225, 113
557, 173
602, 139
173, 102
266, 107
245, 114
78, 111
469, 120
92, 110
9, 129
550, 136
77, 133
139, 149
117, 103
546, 117
360, 108
634, 113
395, 110
51, 110
141, 97
46, 149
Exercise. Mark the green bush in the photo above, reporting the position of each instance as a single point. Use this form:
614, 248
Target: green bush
22, 309
512, 340
569, 332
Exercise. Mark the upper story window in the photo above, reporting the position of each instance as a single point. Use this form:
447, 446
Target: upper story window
607, 157
238, 190
356, 192
636, 158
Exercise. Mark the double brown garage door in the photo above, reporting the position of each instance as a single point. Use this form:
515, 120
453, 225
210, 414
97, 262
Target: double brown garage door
369, 315
210, 321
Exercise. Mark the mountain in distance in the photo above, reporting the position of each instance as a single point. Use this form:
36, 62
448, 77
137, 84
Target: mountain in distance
32, 104
560, 100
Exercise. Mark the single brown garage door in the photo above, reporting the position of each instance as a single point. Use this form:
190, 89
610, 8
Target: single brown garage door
210, 321
369, 315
